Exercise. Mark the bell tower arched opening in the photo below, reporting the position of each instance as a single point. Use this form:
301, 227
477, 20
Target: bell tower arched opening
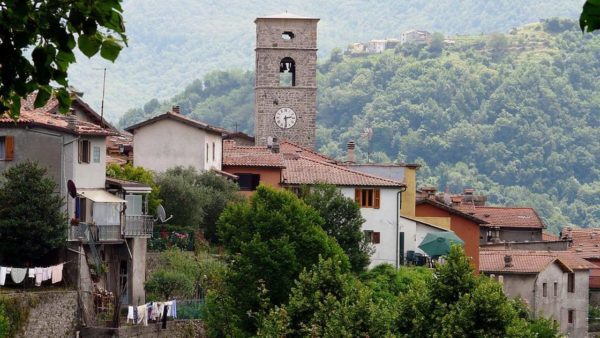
287, 72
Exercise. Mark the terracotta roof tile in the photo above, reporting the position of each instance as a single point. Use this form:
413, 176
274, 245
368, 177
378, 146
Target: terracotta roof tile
525, 261
546, 236
54, 121
509, 217
585, 242
300, 169
177, 117
250, 156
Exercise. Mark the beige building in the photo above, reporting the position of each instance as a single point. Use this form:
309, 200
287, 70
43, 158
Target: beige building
415, 36
171, 139
376, 46
554, 284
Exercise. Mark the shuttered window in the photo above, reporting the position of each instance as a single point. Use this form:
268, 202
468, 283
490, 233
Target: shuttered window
367, 198
373, 237
6, 148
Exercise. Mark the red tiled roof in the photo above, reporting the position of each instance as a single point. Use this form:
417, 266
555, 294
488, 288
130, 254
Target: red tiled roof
546, 236
39, 118
524, 261
177, 117
585, 242
250, 156
300, 169
451, 210
509, 217
292, 148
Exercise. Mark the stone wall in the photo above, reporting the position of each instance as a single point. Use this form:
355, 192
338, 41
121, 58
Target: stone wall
177, 328
54, 314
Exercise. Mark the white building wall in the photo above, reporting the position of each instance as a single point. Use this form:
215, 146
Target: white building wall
213, 141
88, 175
382, 220
166, 144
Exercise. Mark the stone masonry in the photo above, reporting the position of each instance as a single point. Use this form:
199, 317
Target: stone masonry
271, 49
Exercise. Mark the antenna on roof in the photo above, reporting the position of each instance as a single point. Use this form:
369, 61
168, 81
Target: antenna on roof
102, 104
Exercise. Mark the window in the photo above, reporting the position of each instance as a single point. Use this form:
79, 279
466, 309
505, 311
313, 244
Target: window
555, 289
287, 72
545, 289
373, 237
571, 316
287, 35
367, 198
207, 152
213, 151
84, 151
6, 148
81, 209
248, 182
96, 154
571, 282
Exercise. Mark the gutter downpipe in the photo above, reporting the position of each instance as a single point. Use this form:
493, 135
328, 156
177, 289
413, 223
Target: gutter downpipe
398, 206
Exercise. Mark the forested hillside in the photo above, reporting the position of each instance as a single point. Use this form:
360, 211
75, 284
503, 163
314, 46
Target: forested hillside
172, 43
517, 116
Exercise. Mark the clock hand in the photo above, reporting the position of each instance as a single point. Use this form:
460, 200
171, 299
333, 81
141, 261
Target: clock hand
285, 118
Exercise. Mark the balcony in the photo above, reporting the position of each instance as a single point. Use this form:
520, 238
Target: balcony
96, 233
138, 226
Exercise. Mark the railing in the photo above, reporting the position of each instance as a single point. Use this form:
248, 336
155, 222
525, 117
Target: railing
96, 233
138, 226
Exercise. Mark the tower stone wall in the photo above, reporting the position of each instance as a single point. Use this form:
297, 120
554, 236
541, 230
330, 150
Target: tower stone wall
284, 37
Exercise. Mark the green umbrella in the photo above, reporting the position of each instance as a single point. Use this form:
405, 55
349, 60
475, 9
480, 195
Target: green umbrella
439, 243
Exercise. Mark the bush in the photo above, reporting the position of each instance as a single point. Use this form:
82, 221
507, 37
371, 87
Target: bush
165, 284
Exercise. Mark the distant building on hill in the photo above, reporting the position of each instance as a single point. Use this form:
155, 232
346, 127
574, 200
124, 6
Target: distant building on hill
415, 36
376, 46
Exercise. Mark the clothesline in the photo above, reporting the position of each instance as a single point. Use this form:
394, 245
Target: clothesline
39, 274
151, 311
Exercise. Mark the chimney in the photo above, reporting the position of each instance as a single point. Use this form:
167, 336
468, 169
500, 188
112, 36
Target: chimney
508, 261
71, 121
275, 146
176, 109
430, 192
351, 156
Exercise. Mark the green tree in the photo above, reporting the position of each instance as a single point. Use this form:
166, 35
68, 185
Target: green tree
437, 43
589, 20
164, 284
37, 39
196, 199
343, 222
271, 238
32, 220
137, 174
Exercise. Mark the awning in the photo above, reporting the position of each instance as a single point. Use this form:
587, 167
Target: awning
100, 196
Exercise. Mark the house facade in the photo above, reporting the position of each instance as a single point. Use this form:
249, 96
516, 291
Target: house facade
415, 36
171, 139
74, 150
585, 243
553, 284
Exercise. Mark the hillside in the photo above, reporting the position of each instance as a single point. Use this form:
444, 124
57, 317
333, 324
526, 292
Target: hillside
172, 43
517, 116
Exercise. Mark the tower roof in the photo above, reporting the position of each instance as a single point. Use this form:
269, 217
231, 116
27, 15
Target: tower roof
286, 15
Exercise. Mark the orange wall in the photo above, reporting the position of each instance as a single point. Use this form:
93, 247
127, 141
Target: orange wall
466, 229
268, 176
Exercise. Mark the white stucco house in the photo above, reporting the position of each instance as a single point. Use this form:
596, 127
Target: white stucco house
171, 139
554, 284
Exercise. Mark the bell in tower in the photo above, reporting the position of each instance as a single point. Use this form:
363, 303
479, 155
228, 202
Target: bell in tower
286, 79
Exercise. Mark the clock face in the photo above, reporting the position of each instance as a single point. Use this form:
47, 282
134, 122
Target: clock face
285, 118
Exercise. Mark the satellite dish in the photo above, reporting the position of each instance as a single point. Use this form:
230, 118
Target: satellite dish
162, 215
71, 188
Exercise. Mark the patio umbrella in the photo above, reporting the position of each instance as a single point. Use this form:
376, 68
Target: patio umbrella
439, 243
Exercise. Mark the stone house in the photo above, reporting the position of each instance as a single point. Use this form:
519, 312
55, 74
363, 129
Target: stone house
74, 150
415, 36
554, 284
585, 243
376, 46
172, 139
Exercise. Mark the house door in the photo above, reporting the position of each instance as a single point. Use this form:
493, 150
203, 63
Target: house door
124, 282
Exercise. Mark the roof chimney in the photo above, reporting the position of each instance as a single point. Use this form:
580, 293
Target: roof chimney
176, 109
508, 261
351, 156
430, 191
71, 121
275, 146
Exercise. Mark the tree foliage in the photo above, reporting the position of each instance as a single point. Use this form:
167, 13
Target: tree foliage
589, 20
37, 40
271, 238
342, 221
196, 199
32, 218
137, 174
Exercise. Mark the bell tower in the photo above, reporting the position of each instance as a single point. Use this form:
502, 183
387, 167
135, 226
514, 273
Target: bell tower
286, 79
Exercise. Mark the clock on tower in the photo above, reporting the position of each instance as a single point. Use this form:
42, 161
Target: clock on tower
286, 79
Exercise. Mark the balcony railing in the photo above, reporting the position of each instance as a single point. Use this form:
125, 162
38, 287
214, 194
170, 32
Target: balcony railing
138, 226
97, 233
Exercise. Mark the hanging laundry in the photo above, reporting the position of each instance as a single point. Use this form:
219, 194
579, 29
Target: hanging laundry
130, 315
2, 275
173, 309
57, 273
39, 274
142, 315
18, 274
31, 273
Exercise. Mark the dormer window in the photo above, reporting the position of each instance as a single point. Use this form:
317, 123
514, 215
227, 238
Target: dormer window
287, 35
